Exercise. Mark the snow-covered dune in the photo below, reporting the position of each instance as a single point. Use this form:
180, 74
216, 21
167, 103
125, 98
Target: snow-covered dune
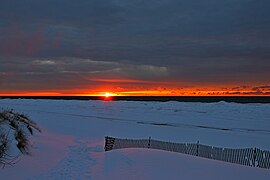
72, 141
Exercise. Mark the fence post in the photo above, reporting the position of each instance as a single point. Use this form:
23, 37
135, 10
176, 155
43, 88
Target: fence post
197, 150
254, 157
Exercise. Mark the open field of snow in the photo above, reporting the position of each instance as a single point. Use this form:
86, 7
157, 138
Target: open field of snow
72, 139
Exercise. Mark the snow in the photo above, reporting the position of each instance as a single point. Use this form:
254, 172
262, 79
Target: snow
72, 139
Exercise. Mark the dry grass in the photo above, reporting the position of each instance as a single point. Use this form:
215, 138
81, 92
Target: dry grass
14, 127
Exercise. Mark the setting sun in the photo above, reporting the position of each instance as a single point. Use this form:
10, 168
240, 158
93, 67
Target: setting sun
107, 95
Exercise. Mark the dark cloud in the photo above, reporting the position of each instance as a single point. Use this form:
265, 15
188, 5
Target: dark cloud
199, 42
261, 88
243, 87
61, 73
252, 93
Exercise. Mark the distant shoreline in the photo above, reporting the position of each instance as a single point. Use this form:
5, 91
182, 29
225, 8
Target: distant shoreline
206, 99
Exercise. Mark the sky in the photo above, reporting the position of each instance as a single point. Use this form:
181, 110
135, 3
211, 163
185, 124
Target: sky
135, 47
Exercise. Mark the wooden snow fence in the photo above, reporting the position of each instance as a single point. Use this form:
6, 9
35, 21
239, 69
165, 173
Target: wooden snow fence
248, 156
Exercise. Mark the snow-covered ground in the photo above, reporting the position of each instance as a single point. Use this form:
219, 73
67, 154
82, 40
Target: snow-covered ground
72, 141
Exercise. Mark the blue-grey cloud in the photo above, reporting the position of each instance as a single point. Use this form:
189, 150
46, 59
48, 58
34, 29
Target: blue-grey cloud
197, 41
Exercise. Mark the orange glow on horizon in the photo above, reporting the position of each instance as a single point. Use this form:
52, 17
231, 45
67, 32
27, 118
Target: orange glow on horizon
145, 93
110, 90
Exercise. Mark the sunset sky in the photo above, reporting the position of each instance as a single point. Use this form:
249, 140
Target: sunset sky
135, 47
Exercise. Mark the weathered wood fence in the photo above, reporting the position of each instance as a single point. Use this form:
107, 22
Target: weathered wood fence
248, 156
